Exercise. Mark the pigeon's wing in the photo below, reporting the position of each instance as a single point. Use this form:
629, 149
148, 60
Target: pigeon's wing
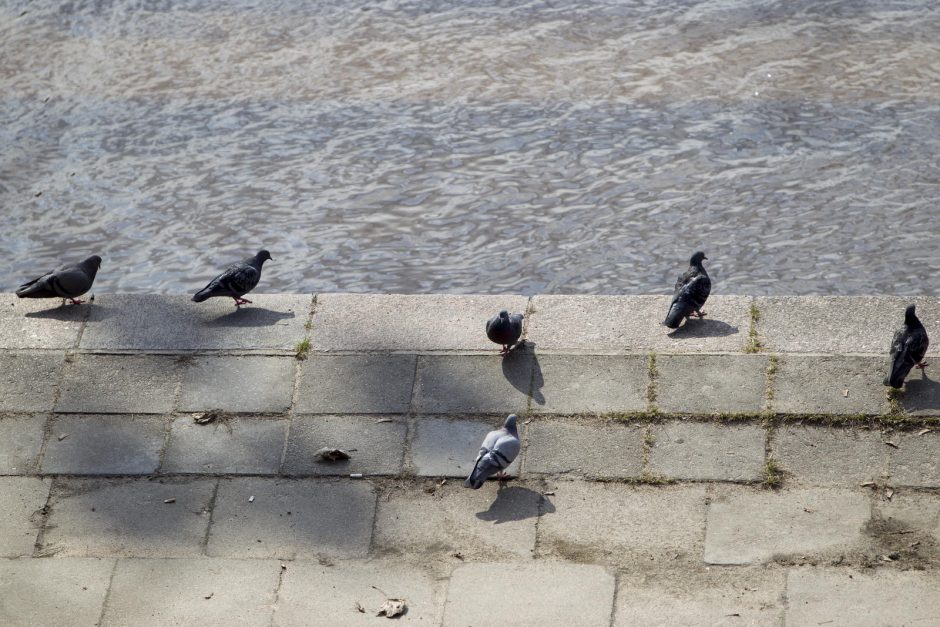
70, 282
491, 326
238, 279
683, 279
485, 467
516, 321
901, 359
507, 449
917, 344
493, 458
698, 290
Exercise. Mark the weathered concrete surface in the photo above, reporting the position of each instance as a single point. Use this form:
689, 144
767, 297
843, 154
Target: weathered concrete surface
375, 445
709, 384
921, 395
752, 525
830, 385
473, 383
238, 384
854, 598
911, 512
589, 383
21, 499
703, 451
103, 445
600, 324
590, 449
356, 384
20, 443
541, 595
39, 323
127, 322
831, 456
449, 448
36, 592
27, 380
346, 322
237, 445
916, 461
119, 384
192, 592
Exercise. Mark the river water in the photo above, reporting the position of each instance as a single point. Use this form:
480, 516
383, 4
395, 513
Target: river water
565, 146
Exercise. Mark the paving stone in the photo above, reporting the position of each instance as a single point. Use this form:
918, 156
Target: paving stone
352, 322
830, 455
709, 384
128, 517
292, 518
239, 445
21, 498
36, 592
192, 592
624, 524
27, 380
708, 596
451, 519
917, 512
103, 445
920, 395
473, 383
39, 323
119, 384
590, 383
752, 525
449, 448
540, 595
853, 598
126, 322
830, 385
238, 384
703, 451
309, 589
20, 442
356, 384
838, 324
916, 461
590, 449
598, 324
376, 445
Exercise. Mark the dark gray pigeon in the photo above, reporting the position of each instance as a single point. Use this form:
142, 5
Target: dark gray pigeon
499, 449
237, 280
908, 348
692, 290
505, 328
67, 282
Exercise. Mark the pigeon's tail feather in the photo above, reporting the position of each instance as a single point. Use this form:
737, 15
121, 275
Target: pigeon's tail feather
485, 468
679, 311
899, 371
203, 294
36, 289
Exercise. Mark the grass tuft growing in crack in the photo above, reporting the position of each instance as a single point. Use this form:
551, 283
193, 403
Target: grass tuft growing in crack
651, 386
753, 343
302, 348
772, 475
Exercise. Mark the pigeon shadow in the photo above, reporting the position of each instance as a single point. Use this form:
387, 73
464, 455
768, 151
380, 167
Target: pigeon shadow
703, 328
921, 394
516, 503
63, 313
250, 317
521, 368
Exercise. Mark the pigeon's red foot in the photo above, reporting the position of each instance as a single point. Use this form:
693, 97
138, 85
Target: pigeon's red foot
922, 365
77, 302
241, 301
505, 350
700, 314
502, 476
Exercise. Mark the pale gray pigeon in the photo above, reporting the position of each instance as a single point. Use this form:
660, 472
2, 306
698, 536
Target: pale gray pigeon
692, 290
237, 280
499, 449
505, 328
67, 282
908, 348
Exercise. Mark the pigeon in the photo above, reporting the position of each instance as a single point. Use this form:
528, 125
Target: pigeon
505, 328
692, 290
66, 282
908, 348
237, 280
499, 449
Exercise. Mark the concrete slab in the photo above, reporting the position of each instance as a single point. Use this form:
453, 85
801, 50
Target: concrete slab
710, 384
20, 442
843, 325
914, 511
103, 445
601, 449
449, 448
238, 384
703, 451
920, 395
292, 518
356, 384
144, 384
624, 524
354, 322
125, 322
542, 595
590, 383
916, 461
830, 455
28, 380
753, 525
707, 596
449, 519
240, 445
830, 385
309, 589
376, 445
53, 592
473, 383
21, 500
128, 518
853, 598
39, 323
192, 592
599, 324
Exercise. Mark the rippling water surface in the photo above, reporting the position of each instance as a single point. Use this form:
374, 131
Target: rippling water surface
474, 146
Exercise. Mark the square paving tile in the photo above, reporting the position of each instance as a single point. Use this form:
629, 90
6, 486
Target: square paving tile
703, 451
239, 445
238, 384
103, 445
21, 499
119, 384
829, 385
376, 445
27, 380
819, 455
356, 384
710, 384
20, 442
39, 323
449, 448
590, 449
473, 383
38, 591
590, 383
